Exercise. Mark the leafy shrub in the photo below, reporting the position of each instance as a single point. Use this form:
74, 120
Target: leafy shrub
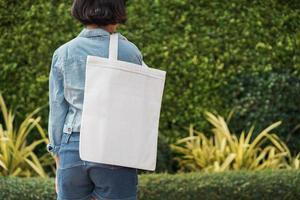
239, 185
27, 42
208, 48
225, 151
265, 98
17, 157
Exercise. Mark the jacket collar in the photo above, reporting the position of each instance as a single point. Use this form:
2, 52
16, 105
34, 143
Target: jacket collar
93, 32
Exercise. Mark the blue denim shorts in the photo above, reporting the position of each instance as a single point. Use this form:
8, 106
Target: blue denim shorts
82, 180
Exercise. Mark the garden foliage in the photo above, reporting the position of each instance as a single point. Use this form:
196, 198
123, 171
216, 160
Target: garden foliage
219, 55
17, 155
240, 185
225, 151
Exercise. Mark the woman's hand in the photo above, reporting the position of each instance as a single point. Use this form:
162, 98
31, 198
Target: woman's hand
56, 158
56, 185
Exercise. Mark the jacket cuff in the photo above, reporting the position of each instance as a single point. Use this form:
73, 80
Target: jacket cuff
53, 149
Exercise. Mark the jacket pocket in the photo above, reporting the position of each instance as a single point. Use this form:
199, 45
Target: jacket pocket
74, 72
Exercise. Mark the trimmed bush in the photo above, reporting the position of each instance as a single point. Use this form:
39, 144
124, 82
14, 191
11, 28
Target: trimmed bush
268, 96
240, 185
28, 40
209, 47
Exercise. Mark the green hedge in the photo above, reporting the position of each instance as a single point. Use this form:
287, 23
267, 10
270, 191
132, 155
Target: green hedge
210, 49
241, 185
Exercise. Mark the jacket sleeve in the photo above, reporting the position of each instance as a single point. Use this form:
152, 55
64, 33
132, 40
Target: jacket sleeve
58, 106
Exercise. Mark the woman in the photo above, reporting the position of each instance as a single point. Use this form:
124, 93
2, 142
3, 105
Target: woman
77, 179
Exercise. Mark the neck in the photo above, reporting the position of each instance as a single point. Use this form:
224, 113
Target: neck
108, 28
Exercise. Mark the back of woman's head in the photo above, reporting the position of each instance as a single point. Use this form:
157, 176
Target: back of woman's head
99, 12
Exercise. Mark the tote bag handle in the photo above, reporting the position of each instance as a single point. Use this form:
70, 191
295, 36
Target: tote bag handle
114, 46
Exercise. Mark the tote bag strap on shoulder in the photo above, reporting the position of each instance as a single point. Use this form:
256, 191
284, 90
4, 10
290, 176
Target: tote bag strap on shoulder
114, 46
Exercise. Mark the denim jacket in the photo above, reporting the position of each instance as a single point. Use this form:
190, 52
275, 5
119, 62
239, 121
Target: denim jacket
67, 79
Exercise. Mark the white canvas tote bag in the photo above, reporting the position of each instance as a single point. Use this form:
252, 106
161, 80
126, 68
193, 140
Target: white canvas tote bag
121, 111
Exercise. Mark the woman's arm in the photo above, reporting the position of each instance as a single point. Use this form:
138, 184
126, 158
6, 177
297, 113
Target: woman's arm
58, 106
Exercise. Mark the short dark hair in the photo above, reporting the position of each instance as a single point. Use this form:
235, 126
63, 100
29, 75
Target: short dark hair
99, 12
